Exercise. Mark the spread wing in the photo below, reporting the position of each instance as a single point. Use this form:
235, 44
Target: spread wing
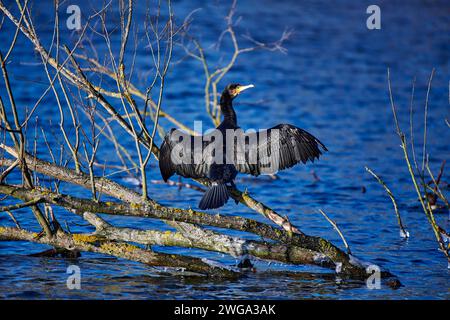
270, 150
178, 154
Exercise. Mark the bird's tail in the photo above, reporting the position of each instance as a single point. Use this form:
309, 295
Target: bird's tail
216, 196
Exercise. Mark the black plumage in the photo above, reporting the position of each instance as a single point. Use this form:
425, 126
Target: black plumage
259, 152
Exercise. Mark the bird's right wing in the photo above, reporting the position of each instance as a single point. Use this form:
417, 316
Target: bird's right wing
177, 156
278, 148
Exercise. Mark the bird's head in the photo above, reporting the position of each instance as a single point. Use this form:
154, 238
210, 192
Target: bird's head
234, 89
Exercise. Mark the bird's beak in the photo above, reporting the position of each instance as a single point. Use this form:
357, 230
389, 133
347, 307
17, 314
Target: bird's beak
243, 88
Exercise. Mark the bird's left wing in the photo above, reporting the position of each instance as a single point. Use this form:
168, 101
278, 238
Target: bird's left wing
278, 148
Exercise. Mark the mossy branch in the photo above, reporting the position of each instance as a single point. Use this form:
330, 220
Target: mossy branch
97, 244
303, 242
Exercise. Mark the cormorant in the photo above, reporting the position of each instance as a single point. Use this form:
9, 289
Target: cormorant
211, 159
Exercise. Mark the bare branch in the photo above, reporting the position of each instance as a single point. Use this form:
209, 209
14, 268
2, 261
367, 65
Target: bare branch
403, 232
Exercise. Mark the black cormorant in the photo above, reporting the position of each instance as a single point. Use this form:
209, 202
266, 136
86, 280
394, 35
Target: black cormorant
256, 152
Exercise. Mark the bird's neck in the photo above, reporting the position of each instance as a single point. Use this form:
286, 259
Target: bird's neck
226, 107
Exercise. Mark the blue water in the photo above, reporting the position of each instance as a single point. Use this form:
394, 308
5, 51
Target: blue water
332, 82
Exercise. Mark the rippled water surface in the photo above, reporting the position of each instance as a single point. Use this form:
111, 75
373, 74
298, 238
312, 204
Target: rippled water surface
331, 82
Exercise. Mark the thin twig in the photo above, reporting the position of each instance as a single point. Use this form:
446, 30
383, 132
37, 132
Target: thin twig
403, 232
337, 229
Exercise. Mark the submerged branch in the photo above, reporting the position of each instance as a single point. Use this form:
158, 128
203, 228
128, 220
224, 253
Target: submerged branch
153, 210
189, 237
97, 244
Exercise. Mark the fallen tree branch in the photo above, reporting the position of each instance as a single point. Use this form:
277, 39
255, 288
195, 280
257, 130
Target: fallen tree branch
93, 243
153, 210
189, 237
